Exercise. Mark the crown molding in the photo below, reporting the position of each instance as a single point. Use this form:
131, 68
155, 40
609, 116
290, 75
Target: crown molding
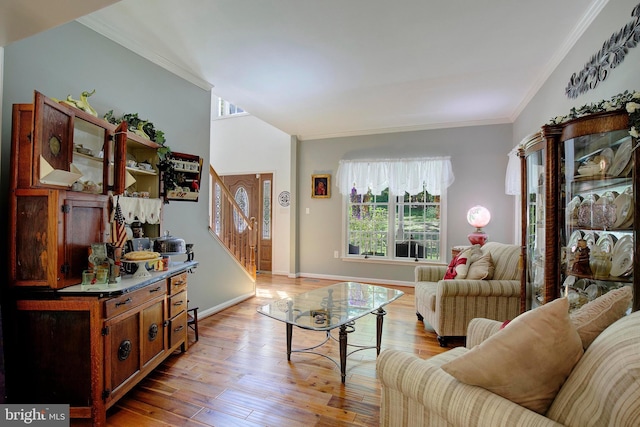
559, 55
132, 45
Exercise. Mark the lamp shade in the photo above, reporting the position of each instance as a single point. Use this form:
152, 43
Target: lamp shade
478, 216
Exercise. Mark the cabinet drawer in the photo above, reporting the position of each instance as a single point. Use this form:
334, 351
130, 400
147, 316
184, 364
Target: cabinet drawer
177, 304
178, 329
132, 299
177, 283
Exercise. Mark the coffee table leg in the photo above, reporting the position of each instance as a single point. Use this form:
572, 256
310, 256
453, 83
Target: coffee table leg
343, 352
380, 316
289, 336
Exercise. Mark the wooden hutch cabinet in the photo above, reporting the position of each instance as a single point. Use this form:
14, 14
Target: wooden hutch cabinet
68, 344
580, 210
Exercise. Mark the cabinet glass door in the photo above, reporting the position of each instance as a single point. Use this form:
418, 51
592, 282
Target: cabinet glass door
597, 246
535, 231
534, 153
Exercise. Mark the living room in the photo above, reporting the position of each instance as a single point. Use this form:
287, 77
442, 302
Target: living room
72, 58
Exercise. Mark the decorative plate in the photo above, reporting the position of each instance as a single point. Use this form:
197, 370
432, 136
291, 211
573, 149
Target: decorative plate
621, 264
624, 244
284, 198
572, 244
591, 238
624, 209
621, 158
572, 209
606, 242
605, 159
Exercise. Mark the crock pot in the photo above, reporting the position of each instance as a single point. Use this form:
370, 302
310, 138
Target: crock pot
168, 245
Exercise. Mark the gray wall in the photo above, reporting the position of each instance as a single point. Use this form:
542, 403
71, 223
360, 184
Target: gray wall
73, 58
550, 101
479, 159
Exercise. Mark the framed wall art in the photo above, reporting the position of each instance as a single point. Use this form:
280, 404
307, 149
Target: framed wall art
320, 186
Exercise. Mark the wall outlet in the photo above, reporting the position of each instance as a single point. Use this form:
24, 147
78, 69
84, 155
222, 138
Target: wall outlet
336, 254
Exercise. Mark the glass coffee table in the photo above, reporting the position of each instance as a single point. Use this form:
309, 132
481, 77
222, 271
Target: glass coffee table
331, 307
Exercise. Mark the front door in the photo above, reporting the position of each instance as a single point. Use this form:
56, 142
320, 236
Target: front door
258, 188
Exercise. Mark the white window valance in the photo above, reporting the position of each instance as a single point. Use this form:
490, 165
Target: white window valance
400, 175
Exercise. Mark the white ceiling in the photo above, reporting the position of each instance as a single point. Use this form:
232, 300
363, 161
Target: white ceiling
322, 68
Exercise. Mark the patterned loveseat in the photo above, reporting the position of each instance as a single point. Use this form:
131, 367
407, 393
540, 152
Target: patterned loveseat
449, 305
603, 389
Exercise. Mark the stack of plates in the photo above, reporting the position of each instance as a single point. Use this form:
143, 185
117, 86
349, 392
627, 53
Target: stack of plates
622, 257
606, 243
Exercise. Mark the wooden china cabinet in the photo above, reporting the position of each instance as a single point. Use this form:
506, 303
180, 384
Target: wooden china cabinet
69, 344
579, 210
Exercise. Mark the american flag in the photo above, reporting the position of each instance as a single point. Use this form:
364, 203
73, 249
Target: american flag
118, 232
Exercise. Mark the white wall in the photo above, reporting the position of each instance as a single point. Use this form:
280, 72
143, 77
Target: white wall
246, 145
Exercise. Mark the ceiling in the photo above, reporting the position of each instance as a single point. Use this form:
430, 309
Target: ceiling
324, 68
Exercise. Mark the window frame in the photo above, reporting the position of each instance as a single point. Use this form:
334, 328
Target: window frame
391, 256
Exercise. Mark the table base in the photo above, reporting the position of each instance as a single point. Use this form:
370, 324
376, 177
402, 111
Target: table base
342, 340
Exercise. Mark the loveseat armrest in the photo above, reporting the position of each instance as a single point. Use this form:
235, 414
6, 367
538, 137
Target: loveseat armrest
480, 329
430, 273
478, 288
419, 390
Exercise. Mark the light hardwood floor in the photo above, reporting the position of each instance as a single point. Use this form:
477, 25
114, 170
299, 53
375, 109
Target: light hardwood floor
237, 374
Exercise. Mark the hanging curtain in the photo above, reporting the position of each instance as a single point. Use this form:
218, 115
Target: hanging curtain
400, 175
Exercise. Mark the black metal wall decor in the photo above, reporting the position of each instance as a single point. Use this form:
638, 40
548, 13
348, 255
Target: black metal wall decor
610, 56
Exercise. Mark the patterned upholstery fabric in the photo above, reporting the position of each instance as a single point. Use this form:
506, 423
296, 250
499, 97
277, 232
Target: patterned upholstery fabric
449, 305
602, 390
604, 387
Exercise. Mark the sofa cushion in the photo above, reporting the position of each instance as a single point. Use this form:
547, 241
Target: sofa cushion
594, 317
459, 265
482, 268
604, 387
526, 362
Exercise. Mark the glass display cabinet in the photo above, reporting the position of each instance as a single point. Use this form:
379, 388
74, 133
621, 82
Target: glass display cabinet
533, 154
579, 210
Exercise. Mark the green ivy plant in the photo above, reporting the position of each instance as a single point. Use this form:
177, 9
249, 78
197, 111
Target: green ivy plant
629, 101
140, 127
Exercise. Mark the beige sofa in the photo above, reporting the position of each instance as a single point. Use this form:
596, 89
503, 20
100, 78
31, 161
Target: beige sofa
603, 389
449, 305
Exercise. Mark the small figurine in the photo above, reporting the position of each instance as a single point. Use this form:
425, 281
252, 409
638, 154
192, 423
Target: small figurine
581, 259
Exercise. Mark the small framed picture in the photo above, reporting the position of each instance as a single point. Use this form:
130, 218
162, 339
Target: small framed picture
321, 186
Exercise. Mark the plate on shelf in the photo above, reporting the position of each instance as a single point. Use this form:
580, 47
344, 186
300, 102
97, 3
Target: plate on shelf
621, 158
621, 264
605, 159
624, 209
572, 209
622, 257
591, 238
572, 244
624, 244
606, 242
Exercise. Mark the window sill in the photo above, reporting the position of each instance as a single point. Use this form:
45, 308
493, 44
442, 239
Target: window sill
375, 260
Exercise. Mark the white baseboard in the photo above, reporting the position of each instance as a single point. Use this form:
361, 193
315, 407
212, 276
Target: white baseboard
226, 304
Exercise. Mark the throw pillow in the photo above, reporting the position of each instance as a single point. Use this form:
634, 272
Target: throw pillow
595, 316
528, 360
459, 266
481, 268
451, 268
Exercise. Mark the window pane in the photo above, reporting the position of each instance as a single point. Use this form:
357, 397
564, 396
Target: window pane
368, 224
417, 226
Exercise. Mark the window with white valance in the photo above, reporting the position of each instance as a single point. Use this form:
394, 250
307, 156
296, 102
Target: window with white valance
395, 207
399, 175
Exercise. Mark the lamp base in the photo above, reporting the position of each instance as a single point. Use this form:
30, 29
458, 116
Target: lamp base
478, 238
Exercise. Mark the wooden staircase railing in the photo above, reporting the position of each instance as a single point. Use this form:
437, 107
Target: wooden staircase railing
230, 225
